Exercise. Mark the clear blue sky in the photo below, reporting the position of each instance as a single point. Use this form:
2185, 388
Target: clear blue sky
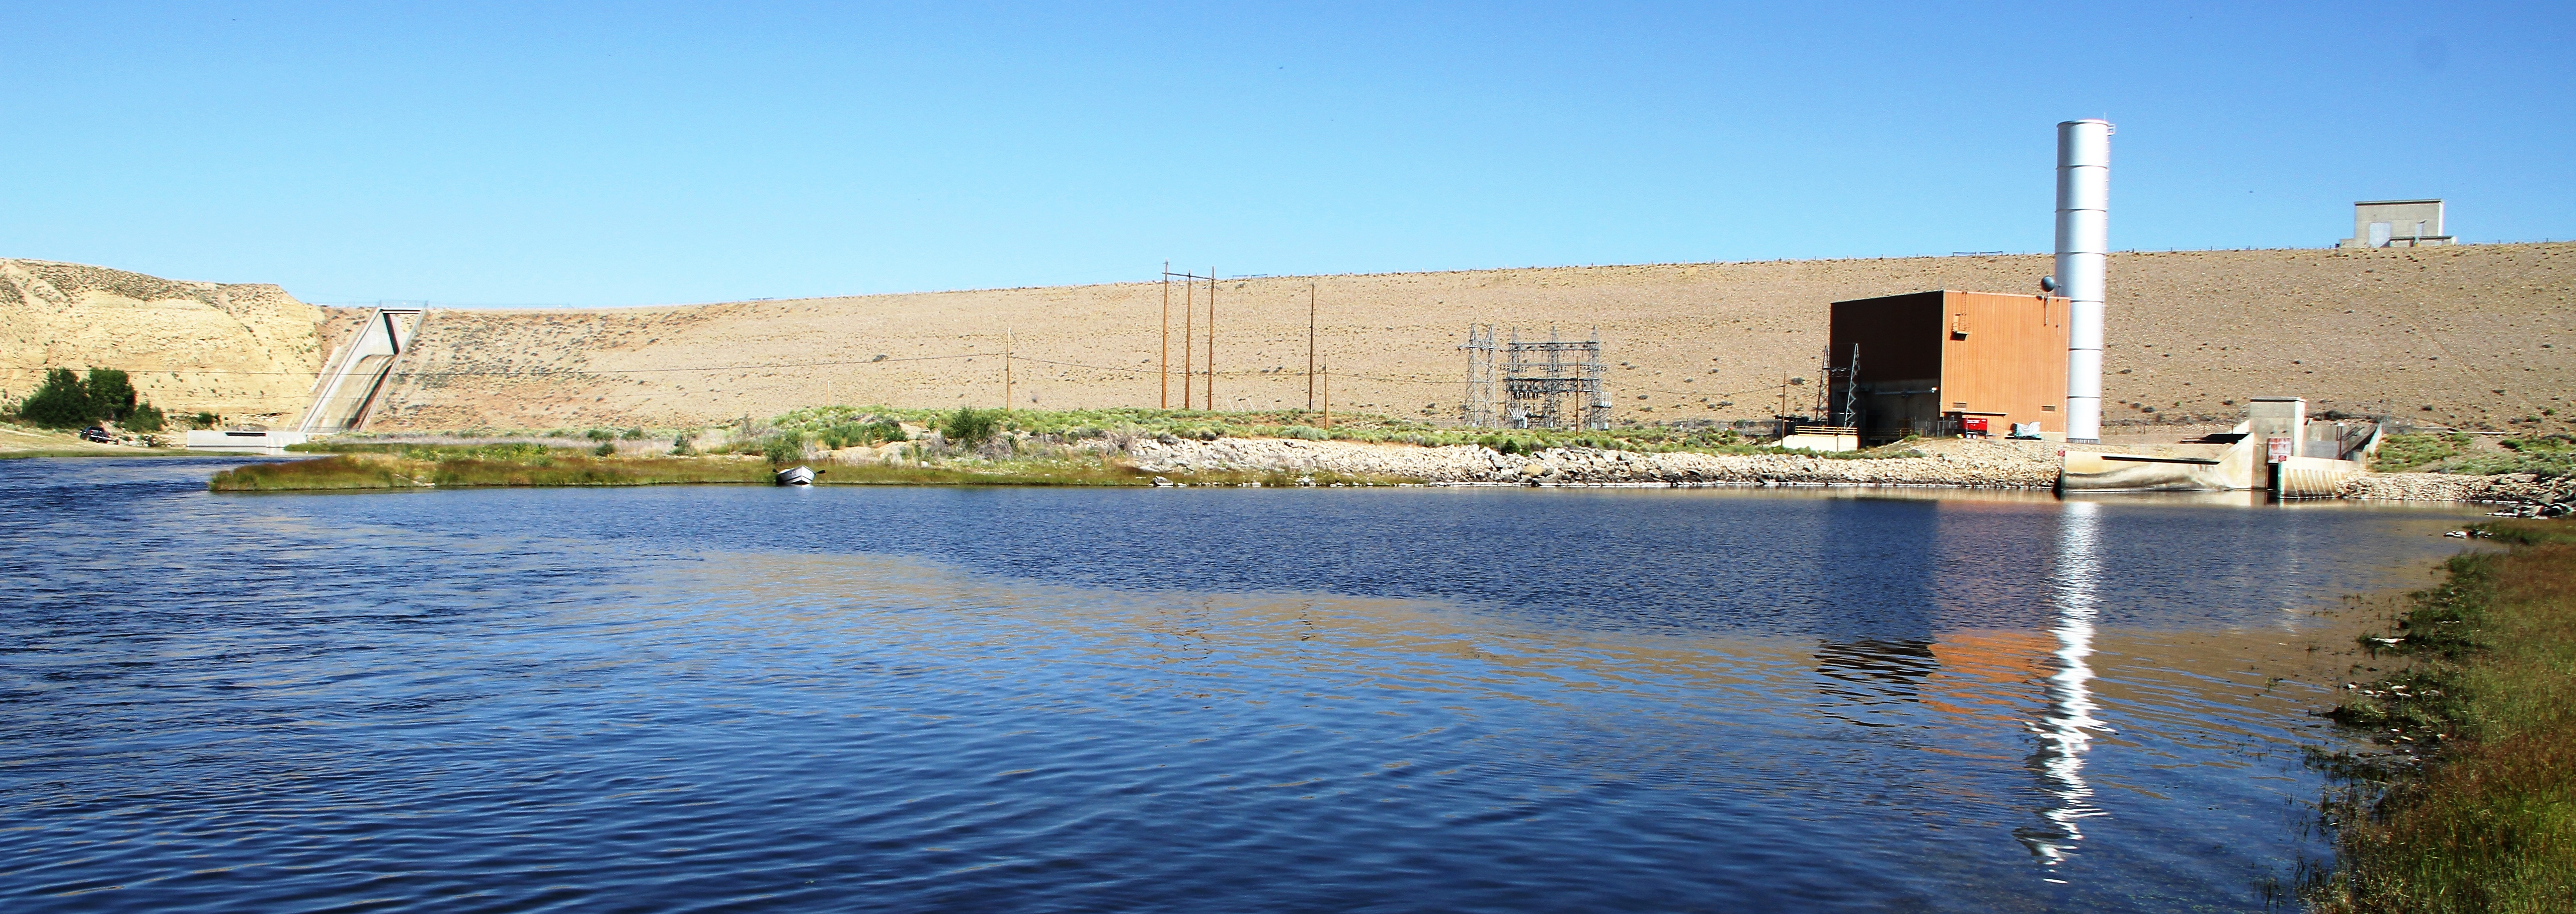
627, 153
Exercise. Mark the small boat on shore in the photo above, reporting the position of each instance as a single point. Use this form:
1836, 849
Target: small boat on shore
796, 476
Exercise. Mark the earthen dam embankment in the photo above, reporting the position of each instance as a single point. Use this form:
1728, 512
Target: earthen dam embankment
2473, 336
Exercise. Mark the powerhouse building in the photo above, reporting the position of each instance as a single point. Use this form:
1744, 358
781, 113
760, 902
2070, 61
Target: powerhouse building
1946, 362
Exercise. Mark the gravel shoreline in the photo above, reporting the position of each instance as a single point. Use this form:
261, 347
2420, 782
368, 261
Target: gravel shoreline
1987, 464
2508, 489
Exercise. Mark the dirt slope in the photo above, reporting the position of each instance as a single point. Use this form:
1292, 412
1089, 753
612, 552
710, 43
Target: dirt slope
245, 351
2476, 333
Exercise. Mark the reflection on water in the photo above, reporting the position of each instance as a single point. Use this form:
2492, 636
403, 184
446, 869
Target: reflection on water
705, 698
2066, 725
1856, 678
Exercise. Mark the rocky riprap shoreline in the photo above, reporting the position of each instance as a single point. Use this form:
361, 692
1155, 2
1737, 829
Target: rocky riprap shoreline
1964, 464
1960, 464
2509, 488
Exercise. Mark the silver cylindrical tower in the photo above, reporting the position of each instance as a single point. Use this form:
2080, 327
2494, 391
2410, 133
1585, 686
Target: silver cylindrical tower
2083, 242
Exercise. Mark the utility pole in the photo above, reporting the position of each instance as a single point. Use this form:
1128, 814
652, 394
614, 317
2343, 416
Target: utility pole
1189, 336
1310, 347
1167, 335
1211, 340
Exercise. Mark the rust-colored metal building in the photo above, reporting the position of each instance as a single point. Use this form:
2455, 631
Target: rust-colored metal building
1943, 363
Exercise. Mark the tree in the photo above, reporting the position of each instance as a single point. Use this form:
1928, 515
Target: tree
62, 402
111, 394
67, 401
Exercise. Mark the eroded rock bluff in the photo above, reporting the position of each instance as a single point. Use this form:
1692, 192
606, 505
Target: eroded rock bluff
247, 351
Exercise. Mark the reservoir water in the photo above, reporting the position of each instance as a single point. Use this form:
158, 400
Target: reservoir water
739, 698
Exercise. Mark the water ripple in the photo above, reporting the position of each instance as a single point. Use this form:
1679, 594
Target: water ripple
726, 698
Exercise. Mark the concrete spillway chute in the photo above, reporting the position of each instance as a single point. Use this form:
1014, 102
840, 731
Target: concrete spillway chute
355, 377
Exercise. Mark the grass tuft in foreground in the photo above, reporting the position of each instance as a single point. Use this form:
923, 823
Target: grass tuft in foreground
2474, 809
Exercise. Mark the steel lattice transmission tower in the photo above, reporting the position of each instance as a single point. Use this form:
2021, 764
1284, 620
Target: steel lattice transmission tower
1478, 410
1555, 384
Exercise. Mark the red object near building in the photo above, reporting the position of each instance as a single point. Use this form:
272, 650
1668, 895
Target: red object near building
1973, 426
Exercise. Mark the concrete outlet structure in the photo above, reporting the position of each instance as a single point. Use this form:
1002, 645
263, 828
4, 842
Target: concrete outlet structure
2396, 224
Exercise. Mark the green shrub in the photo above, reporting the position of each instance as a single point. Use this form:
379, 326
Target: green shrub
2406, 452
635, 434
205, 420
684, 445
854, 434
144, 418
2542, 444
783, 448
600, 434
2544, 455
604, 449
971, 427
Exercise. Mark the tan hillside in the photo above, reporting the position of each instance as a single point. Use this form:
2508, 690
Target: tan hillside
2474, 332
2477, 333
245, 351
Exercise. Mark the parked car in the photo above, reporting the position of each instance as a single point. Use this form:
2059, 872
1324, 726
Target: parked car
96, 434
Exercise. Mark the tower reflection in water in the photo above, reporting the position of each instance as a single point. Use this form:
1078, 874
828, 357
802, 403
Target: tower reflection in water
2067, 723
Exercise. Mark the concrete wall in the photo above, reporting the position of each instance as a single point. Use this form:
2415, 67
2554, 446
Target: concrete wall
2397, 223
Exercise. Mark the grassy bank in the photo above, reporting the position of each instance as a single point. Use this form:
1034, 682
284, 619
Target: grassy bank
361, 466
2462, 453
394, 471
2474, 806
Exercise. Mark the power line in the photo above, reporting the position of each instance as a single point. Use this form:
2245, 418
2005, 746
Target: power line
773, 366
564, 371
